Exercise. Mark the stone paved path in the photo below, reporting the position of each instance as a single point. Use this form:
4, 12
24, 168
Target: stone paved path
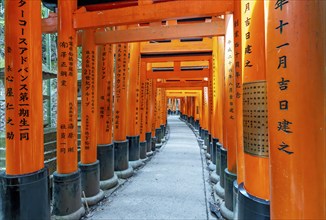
170, 186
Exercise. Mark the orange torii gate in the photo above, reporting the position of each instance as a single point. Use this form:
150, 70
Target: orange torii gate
267, 151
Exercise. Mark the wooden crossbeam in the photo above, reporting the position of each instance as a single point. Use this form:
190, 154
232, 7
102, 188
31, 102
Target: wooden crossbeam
182, 93
205, 29
183, 85
197, 74
176, 58
151, 13
182, 64
175, 46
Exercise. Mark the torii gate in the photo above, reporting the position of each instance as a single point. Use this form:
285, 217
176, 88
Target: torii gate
268, 162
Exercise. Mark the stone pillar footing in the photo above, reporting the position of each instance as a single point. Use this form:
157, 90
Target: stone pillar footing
235, 198
134, 148
223, 165
143, 150
125, 174
218, 158
136, 164
219, 190
214, 178
90, 183
211, 166
228, 187
213, 153
109, 183
67, 202
153, 147
148, 136
121, 155
158, 135
25, 196
149, 154
251, 207
226, 213
105, 155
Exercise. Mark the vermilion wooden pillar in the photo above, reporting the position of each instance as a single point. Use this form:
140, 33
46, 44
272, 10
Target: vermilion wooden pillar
25, 176
215, 65
67, 167
162, 114
89, 165
221, 152
238, 101
133, 105
149, 112
220, 86
296, 78
105, 147
255, 190
158, 115
210, 112
24, 153
154, 112
238, 89
230, 119
121, 147
205, 112
143, 115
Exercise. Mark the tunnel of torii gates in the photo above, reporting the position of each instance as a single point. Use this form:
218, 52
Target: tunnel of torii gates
248, 75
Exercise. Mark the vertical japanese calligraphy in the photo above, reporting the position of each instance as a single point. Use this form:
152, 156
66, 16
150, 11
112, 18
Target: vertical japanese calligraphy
67, 90
153, 105
133, 90
120, 96
105, 90
238, 90
89, 98
255, 126
149, 103
230, 109
143, 103
296, 48
158, 104
23, 87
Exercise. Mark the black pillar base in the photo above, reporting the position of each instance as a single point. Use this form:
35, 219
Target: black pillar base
209, 144
197, 124
148, 136
199, 132
90, 182
192, 121
143, 149
214, 149
218, 158
162, 133
134, 149
25, 196
105, 155
251, 207
153, 143
67, 203
158, 136
227, 211
121, 155
235, 198
206, 138
224, 155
